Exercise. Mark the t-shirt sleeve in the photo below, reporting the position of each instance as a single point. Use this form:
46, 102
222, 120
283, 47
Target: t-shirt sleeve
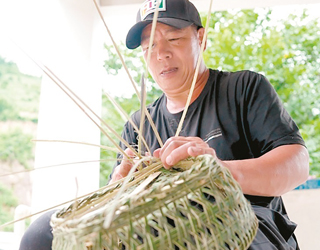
268, 123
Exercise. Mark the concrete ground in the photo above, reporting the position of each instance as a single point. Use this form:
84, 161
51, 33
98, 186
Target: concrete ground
303, 207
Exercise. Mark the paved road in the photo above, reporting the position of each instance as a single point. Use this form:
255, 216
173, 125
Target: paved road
303, 207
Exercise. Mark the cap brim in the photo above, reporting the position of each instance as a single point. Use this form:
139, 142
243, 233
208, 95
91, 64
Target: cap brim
133, 39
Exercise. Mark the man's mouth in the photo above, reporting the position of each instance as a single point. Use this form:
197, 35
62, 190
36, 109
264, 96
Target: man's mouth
168, 71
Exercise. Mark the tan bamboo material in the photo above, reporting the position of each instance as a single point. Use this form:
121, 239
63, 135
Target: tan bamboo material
196, 205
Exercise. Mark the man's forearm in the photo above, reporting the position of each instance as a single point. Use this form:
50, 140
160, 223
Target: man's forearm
273, 174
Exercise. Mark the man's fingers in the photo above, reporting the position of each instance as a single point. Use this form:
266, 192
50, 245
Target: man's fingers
179, 148
123, 169
130, 153
156, 153
174, 142
115, 177
196, 151
178, 152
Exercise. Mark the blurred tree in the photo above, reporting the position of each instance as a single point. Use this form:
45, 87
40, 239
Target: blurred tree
19, 94
16, 146
8, 202
19, 101
285, 51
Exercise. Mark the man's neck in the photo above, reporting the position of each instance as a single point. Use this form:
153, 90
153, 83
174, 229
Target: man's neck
177, 103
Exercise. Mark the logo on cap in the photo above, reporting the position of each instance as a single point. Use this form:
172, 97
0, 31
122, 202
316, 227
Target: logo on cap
149, 6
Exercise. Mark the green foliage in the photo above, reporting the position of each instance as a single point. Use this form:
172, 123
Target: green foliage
132, 58
285, 51
19, 94
19, 100
16, 146
7, 111
8, 202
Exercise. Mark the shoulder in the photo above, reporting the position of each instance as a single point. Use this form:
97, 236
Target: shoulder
238, 77
243, 82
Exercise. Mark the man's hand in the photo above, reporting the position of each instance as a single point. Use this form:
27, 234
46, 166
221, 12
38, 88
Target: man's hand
179, 148
124, 167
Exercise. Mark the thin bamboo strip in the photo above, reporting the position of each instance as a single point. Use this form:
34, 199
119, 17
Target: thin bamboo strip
74, 98
55, 165
127, 71
204, 39
128, 118
97, 193
81, 143
142, 116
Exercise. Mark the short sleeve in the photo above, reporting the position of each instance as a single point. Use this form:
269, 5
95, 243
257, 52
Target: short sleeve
268, 123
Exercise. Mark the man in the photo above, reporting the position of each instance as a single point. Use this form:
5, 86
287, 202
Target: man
235, 116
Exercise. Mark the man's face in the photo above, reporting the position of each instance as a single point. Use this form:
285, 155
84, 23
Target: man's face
174, 56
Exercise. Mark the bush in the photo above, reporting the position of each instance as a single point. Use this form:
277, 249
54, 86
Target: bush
16, 145
8, 203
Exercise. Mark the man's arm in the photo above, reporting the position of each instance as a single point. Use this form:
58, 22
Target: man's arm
273, 174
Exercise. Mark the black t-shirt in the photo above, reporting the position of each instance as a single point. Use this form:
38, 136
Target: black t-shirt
240, 115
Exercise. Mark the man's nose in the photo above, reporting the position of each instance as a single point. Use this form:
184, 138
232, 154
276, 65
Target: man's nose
163, 51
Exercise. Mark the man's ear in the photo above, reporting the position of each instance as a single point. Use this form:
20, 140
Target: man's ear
200, 37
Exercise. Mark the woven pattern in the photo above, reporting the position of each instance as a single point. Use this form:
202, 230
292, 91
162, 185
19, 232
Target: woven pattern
199, 208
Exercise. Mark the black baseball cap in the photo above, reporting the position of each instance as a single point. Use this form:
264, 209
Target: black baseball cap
176, 13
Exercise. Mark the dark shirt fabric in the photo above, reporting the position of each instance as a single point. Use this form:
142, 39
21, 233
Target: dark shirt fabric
240, 115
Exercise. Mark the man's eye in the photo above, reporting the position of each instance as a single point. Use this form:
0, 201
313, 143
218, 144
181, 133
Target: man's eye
147, 48
174, 39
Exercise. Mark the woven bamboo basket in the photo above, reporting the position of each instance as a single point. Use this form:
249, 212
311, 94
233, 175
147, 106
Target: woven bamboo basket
197, 205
